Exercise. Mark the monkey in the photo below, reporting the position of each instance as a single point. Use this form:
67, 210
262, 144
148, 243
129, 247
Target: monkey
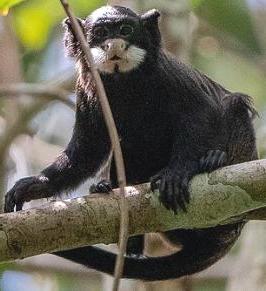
173, 121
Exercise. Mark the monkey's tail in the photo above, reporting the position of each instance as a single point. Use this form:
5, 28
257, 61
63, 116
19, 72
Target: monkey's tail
201, 248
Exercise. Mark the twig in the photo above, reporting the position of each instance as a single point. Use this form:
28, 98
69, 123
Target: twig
19, 126
109, 120
42, 90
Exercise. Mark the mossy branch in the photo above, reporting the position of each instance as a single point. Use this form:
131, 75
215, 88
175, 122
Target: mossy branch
228, 194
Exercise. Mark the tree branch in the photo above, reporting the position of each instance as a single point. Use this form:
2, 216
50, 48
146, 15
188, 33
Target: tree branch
20, 124
224, 196
38, 90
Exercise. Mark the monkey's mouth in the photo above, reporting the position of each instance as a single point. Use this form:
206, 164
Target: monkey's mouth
115, 58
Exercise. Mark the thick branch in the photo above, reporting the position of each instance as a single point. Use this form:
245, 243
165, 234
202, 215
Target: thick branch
234, 192
38, 90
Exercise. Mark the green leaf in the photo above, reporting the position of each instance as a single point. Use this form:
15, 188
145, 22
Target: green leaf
232, 17
6, 4
34, 20
196, 3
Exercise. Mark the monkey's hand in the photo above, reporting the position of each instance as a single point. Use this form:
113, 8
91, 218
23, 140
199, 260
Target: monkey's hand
173, 188
27, 189
103, 186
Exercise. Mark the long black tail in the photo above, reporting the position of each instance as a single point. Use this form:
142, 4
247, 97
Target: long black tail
201, 248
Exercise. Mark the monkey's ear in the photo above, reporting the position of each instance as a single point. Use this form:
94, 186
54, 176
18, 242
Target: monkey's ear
150, 22
150, 17
70, 41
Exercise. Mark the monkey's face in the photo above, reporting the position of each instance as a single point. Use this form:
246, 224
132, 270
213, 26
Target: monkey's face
120, 40
114, 47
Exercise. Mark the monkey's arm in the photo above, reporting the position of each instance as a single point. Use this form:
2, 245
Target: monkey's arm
86, 151
196, 148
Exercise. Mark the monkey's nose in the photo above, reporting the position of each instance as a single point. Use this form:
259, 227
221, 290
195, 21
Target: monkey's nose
114, 45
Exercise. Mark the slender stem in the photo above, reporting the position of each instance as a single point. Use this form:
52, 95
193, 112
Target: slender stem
109, 120
41, 90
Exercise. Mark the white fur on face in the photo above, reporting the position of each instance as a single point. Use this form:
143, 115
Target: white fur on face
131, 58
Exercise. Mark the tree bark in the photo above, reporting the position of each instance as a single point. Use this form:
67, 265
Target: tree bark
224, 196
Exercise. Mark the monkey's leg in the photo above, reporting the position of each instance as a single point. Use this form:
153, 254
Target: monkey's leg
172, 182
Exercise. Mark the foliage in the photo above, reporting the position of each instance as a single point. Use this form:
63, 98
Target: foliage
230, 17
34, 20
6, 4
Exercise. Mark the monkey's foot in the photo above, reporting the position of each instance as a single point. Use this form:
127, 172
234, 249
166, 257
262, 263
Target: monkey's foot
135, 245
173, 188
213, 160
26, 189
103, 186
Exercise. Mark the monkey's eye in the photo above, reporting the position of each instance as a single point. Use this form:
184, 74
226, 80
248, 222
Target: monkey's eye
126, 30
100, 31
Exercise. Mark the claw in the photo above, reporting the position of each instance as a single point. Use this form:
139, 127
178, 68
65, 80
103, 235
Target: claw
162, 185
170, 194
173, 189
154, 182
185, 192
181, 200
213, 160
153, 187
19, 206
222, 159
202, 162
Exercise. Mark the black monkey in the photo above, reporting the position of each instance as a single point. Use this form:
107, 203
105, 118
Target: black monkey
173, 121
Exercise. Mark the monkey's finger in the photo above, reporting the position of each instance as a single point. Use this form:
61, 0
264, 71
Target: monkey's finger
154, 180
209, 159
9, 201
107, 188
20, 194
178, 194
175, 194
170, 194
162, 185
162, 199
181, 195
214, 162
202, 163
181, 200
163, 188
19, 206
184, 188
222, 159
154, 185
176, 190
156, 177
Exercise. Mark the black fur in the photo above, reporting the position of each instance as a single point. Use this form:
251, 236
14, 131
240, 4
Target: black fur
173, 121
